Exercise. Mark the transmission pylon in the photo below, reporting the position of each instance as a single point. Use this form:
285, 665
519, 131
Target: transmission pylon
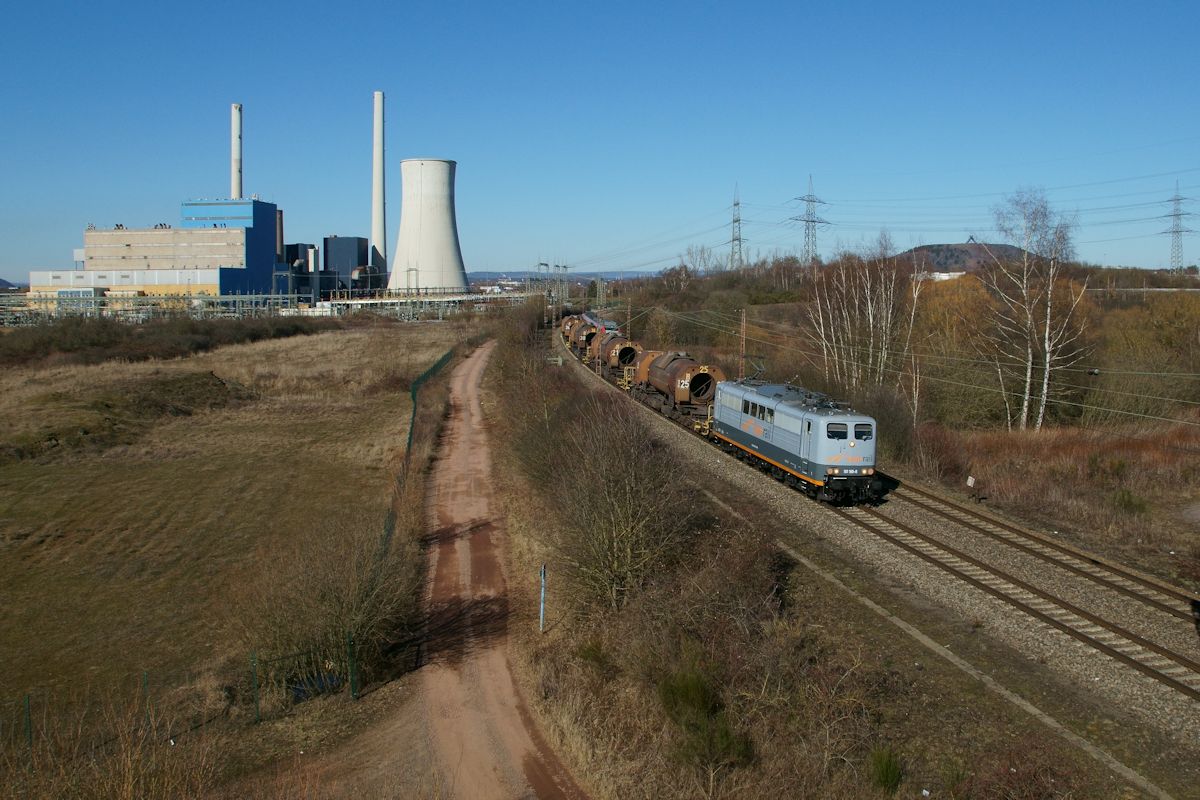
560, 271
1177, 230
736, 259
811, 221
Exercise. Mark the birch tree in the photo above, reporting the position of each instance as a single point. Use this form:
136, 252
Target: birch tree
1035, 329
861, 317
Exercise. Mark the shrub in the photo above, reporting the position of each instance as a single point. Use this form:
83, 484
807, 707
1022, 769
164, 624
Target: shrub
693, 703
1129, 503
81, 340
887, 770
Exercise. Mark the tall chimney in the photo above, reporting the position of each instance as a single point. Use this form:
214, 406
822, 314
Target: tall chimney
279, 236
378, 202
235, 155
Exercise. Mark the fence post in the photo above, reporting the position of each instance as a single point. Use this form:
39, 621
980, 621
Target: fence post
254, 684
28, 723
352, 664
542, 604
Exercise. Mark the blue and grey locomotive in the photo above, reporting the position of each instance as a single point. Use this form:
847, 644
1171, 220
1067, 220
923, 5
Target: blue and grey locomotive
804, 438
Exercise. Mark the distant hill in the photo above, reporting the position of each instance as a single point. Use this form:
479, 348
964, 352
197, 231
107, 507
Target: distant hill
969, 257
5, 285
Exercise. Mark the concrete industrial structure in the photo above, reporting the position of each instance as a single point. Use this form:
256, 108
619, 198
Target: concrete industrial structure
219, 247
427, 257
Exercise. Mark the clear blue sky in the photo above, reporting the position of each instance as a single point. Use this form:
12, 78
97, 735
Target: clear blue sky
587, 129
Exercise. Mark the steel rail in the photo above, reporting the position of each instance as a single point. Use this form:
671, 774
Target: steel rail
1039, 614
1049, 558
1134, 576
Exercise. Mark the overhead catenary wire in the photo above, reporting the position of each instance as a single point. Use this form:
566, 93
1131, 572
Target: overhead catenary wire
948, 381
988, 366
987, 363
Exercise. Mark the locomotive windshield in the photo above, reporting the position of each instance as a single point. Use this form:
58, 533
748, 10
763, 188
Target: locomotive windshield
862, 431
837, 430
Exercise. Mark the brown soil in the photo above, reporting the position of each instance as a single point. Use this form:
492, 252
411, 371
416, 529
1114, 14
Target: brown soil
469, 717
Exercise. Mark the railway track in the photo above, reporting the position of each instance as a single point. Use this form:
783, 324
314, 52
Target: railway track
1161, 664
1172, 600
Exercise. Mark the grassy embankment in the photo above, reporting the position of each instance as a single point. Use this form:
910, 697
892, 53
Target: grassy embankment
167, 518
686, 657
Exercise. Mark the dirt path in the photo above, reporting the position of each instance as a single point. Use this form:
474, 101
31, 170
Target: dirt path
481, 735
458, 727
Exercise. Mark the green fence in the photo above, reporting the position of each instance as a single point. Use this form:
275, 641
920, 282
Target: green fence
415, 390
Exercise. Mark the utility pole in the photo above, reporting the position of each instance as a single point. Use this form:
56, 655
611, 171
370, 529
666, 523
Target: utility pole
736, 260
600, 296
742, 349
811, 221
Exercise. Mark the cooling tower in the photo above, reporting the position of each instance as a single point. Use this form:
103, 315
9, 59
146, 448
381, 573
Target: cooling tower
427, 255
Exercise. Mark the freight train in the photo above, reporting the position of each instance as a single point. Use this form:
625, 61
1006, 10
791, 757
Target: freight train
804, 439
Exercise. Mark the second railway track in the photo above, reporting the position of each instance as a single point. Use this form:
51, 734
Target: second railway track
1159, 663
1172, 600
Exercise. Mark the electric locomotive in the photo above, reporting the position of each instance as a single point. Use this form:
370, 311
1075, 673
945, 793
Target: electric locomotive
804, 438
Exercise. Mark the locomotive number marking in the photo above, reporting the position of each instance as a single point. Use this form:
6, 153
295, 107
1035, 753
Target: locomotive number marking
683, 383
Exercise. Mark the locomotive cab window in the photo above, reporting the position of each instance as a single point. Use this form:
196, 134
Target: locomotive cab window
836, 430
862, 431
746, 407
771, 415
761, 412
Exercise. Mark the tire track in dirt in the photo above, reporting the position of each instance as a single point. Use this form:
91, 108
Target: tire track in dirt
482, 735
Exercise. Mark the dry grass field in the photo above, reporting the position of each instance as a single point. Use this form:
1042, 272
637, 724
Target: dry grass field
141, 504
1132, 493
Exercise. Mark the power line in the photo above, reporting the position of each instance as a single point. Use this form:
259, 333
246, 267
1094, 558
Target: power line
1014, 394
983, 363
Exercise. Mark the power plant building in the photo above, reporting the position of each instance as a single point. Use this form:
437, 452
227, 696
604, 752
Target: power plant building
219, 247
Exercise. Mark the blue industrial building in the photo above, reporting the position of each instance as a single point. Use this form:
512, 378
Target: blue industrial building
220, 247
260, 247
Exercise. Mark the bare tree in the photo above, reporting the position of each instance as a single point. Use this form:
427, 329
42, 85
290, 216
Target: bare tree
625, 514
704, 260
679, 277
862, 316
1035, 327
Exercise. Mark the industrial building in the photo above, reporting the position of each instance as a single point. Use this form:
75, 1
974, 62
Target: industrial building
219, 247
236, 247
